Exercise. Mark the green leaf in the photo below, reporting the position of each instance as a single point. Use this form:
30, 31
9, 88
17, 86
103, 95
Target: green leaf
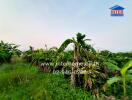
113, 80
126, 67
111, 66
128, 77
65, 44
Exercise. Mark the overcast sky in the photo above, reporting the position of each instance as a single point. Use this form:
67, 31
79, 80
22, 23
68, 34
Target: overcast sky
40, 22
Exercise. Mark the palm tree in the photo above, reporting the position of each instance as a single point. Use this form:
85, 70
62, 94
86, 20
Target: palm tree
79, 44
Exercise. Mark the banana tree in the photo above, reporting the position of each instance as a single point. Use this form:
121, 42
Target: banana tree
7, 50
123, 78
79, 43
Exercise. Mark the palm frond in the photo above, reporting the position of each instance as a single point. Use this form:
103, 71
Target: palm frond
65, 44
87, 39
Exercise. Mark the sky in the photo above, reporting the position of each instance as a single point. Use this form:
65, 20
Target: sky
40, 22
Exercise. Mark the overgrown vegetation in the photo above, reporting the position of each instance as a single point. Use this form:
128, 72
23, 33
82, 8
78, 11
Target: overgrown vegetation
104, 75
23, 81
7, 50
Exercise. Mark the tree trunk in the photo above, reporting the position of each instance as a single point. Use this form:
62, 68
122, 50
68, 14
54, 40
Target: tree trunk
73, 76
73, 71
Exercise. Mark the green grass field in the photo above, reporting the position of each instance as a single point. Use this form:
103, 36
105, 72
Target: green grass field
21, 81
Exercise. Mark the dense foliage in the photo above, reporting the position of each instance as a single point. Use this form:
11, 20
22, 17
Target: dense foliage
7, 51
104, 75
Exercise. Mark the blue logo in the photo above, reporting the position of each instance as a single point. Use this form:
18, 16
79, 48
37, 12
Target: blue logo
117, 11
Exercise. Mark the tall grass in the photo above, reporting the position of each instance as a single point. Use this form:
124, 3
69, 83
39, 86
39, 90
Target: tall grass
24, 82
